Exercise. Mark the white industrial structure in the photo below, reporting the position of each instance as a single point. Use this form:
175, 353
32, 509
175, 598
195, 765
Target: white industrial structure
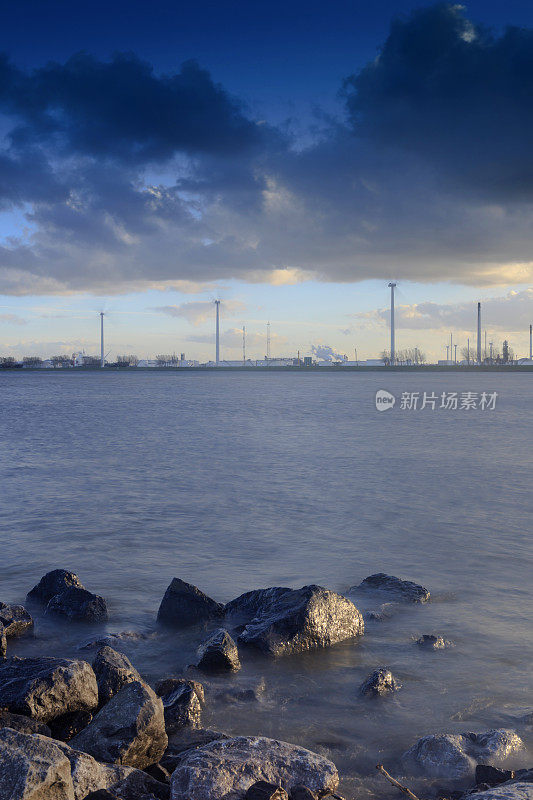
392, 332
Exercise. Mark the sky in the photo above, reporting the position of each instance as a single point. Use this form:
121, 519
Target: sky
289, 159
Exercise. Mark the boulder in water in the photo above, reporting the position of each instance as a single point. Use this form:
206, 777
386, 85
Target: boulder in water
113, 671
184, 604
78, 605
380, 683
219, 653
226, 769
431, 642
15, 619
396, 587
167, 686
129, 729
285, 621
45, 688
53, 583
182, 707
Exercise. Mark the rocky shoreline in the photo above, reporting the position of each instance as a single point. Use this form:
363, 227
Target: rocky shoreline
74, 730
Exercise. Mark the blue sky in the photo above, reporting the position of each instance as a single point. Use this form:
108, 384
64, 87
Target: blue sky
287, 171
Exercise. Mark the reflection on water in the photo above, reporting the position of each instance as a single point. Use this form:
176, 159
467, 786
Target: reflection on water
235, 482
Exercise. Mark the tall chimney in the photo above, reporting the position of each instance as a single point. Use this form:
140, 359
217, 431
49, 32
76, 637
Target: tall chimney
102, 357
479, 333
392, 331
217, 333
531, 342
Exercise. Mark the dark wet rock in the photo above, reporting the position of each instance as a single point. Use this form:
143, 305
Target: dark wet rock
184, 604
455, 756
167, 686
182, 707
15, 619
113, 671
506, 791
23, 724
45, 688
78, 605
102, 794
187, 739
241, 694
225, 769
431, 642
140, 786
3, 643
129, 729
380, 683
400, 589
54, 583
68, 726
115, 640
262, 790
33, 768
384, 612
492, 776
219, 653
159, 773
302, 793
285, 621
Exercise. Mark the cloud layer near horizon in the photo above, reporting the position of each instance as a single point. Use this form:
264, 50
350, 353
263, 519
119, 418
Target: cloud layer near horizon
131, 180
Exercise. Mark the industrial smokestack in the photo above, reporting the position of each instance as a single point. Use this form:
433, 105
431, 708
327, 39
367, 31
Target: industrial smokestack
479, 333
217, 333
102, 358
392, 331
531, 342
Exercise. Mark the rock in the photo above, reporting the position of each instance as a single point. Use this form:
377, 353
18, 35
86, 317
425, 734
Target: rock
512, 791
225, 769
219, 653
68, 726
398, 588
455, 756
302, 793
159, 773
113, 671
3, 642
78, 605
45, 688
23, 724
492, 775
265, 791
182, 707
380, 683
241, 695
287, 621
167, 686
102, 794
33, 768
129, 729
187, 739
116, 639
430, 642
184, 605
54, 583
15, 619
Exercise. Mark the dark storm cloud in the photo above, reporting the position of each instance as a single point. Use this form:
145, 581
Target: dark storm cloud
122, 109
139, 180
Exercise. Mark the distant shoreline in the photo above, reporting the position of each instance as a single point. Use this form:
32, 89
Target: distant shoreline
301, 369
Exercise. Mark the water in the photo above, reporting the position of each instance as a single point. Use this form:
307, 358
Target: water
237, 481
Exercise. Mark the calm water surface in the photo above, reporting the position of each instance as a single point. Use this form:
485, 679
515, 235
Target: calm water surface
239, 481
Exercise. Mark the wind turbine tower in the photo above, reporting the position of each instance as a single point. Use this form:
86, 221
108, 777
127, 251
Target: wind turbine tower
217, 333
479, 333
531, 342
392, 286
268, 340
244, 345
102, 356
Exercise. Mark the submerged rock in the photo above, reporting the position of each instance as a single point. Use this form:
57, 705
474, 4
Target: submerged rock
226, 769
45, 688
285, 621
15, 619
512, 791
113, 671
23, 724
400, 589
116, 639
182, 707
455, 756
379, 684
129, 729
184, 604
53, 583
431, 642
78, 605
219, 653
